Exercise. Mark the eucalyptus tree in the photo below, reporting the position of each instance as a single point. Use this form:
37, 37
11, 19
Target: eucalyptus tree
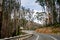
31, 18
58, 3
23, 16
0, 15
50, 4
23, 10
8, 6
39, 16
29, 14
16, 18
6, 14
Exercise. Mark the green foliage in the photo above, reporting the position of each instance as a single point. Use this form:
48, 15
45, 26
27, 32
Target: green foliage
56, 25
50, 4
32, 28
41, 2
55, 31
23, 22
39, 16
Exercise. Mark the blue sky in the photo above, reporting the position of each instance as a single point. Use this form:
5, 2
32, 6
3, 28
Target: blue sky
31, 4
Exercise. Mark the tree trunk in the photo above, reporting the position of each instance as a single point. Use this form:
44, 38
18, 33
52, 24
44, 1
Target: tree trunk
59, 14
51, 5
1, 1
0, 22
54, 14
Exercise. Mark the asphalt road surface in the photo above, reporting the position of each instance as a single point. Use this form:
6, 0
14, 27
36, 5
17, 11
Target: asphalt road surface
38, 36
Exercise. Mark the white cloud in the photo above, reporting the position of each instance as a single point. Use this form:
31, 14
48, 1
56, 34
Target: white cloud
31, 4
37, 11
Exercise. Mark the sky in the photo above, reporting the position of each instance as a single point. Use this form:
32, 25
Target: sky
31, 4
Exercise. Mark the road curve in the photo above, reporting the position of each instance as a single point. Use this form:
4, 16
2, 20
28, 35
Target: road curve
38, 36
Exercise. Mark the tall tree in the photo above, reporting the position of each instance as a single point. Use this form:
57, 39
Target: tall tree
50, 5
58, 3
0, 16
7, 9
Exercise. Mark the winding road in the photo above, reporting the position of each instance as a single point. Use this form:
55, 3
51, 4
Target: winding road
38, 36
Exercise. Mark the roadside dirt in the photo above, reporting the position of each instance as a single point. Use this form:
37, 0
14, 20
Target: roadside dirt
49, 30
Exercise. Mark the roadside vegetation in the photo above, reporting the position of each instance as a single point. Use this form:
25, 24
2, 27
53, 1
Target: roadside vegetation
54, 29
13, 16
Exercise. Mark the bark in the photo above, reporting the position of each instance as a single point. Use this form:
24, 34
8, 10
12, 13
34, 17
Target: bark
51, 5
59, 14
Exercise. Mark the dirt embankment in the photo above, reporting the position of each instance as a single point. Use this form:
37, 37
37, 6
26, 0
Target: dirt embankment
49, 30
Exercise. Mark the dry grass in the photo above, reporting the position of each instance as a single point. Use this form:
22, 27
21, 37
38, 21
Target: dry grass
49, 30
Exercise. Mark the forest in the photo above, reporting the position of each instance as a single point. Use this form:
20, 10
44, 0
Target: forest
13, 16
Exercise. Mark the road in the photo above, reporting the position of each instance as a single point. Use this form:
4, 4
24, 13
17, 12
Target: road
38, 36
